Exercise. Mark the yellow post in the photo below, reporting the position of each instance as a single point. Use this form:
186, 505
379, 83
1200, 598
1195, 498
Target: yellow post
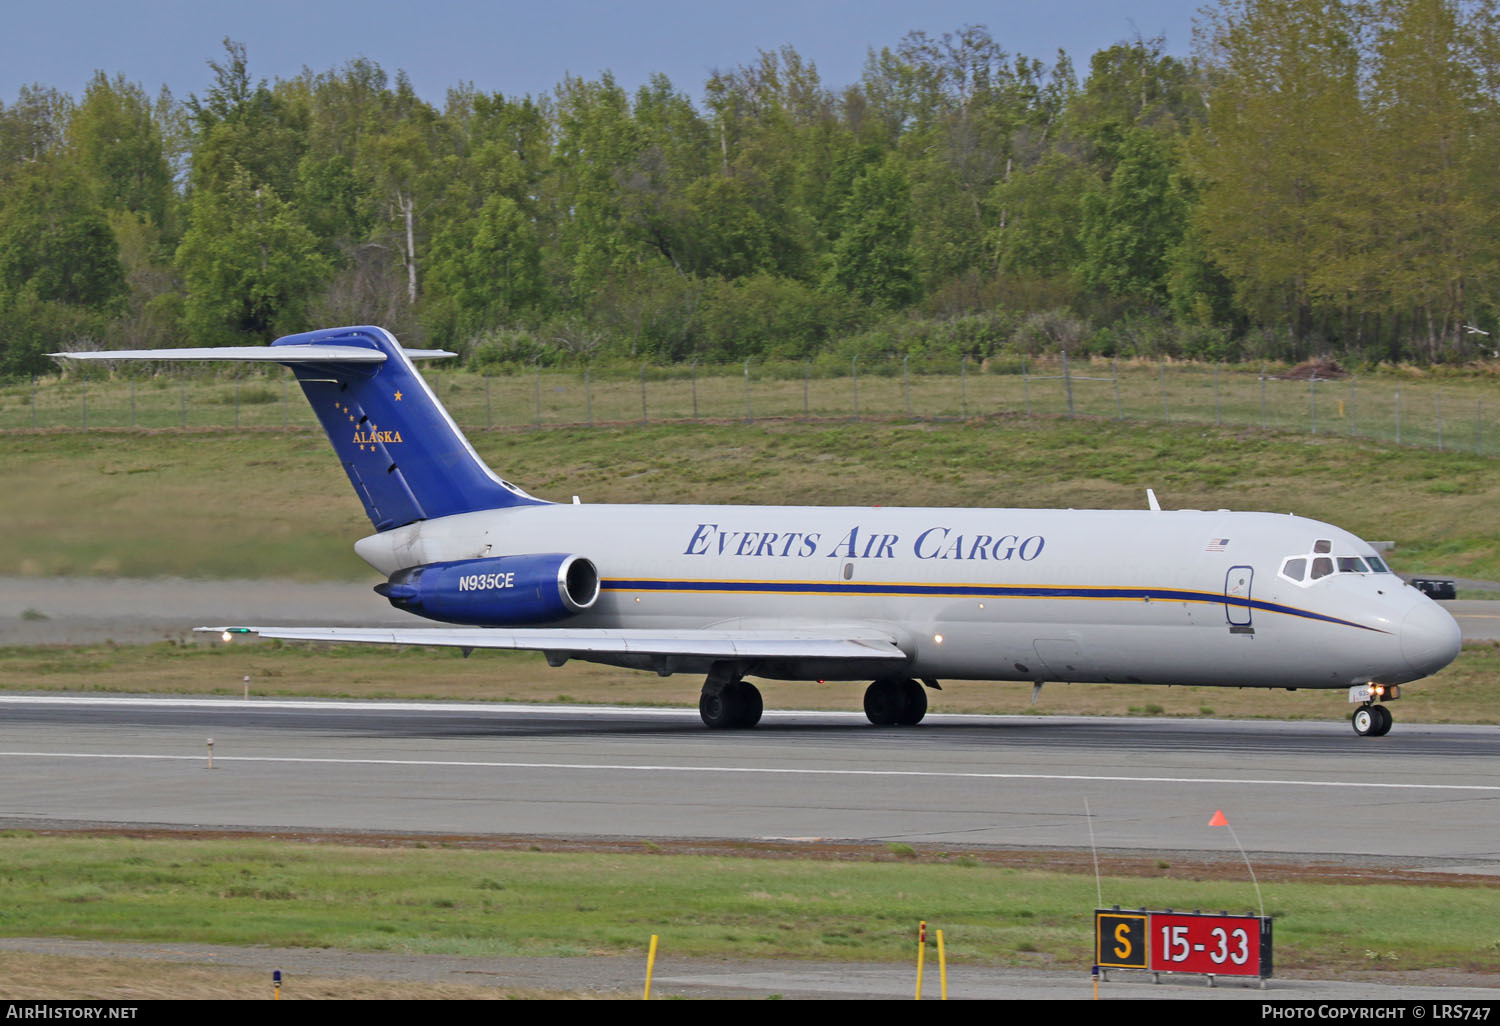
921, 951
650, 965
942, 966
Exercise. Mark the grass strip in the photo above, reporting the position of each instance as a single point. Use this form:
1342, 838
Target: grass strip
855, 907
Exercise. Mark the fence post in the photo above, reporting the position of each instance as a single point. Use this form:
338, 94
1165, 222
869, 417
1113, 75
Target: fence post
1312, 401
1166, 411
643, 394
33, 400
854, 374
182, 396
1026, 384
132, 402
1262, 396
236, 403
1398, 416
1352, 424
749, 418
1114, 365
1218, 416
1478, 445
284, 423
694, 368
906, 381
86, 403
1440, 419
539, 392
588, 398
1067, 383
489, 408
963, 385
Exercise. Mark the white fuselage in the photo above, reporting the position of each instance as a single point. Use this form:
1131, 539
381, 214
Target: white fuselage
1155, 597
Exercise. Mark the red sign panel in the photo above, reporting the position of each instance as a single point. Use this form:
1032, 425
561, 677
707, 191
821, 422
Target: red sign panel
1221, 945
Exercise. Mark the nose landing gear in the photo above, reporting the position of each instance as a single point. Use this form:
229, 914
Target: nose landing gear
1370, 719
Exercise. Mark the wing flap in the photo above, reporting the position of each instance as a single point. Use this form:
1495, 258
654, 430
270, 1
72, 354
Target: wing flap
583, 642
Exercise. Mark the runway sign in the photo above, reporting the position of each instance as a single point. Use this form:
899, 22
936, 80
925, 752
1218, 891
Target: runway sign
1183, 942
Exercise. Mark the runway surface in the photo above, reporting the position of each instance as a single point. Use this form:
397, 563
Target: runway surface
1424, 796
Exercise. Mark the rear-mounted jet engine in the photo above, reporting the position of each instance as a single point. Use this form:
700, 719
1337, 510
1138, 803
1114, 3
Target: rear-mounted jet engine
504, 591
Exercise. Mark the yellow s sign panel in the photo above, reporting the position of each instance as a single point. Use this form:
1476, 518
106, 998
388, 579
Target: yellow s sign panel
1120, 940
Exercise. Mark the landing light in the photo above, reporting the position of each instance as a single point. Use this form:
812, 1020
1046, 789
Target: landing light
937, 639
225, 636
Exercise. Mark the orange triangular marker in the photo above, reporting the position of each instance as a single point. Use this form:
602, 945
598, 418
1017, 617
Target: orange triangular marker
1219, 819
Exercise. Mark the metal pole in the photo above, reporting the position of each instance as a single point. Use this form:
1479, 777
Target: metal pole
643, 394
1312, 401
1478, 447
1115, 370
854, 375
588, 398
806, 375
695, 389
489, 407
283, 404
1351, 408
1398, 416
538, 392
1067, 383
86, 402
182, 396
1218, 416
1026, 384
749, 419
906, 381
963, 384
132, 402
33, 400
1166, 411
236, 402
1440, 420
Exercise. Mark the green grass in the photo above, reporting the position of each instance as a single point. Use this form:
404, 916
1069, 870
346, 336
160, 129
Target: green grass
225, 504
496, 903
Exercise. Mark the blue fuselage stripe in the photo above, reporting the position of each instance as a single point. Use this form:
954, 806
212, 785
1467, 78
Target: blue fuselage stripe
997, 591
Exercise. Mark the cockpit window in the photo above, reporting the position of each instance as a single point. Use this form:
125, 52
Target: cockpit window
1352, 565
1377, 565
1321, 567
1294, 569
1322, 545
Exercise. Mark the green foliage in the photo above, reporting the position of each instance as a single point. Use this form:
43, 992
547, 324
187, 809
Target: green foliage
55, 243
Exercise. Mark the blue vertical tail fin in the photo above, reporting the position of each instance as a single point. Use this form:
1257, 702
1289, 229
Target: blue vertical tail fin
404, 455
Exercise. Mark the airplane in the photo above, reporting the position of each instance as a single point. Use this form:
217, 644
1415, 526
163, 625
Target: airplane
901, 597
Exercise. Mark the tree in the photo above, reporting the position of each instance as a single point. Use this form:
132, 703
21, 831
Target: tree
115, 139
1131, 225
248, 263
55, 242
872, 258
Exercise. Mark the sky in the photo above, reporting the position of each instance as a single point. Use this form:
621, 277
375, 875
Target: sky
527, 48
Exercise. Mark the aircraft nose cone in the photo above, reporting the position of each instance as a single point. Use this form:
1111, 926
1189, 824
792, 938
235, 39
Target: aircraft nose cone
1430, 638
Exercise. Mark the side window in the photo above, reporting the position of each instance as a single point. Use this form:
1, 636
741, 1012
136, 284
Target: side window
1321, 567
1352, 565
1294, 569
1376, 565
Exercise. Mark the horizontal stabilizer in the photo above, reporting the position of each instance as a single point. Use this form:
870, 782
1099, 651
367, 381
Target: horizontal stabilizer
587, 642
259, 354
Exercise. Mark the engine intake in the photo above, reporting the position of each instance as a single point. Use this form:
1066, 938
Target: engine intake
504, 591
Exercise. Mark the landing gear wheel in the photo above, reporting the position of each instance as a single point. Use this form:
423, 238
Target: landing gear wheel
751, 705
733, 705
720, 710
1383, 715
915, 704
1367, 721
895, 701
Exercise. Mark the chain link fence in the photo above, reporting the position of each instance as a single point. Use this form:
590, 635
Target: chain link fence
1447, 414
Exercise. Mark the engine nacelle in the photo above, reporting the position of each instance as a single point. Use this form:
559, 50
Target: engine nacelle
503, 591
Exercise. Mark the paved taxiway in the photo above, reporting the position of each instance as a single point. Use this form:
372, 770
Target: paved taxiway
1424, 795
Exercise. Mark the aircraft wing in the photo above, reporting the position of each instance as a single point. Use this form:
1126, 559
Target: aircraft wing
673, 650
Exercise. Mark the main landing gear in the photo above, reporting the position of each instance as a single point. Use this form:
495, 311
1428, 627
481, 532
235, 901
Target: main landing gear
895, 702
728, 703
1372, 721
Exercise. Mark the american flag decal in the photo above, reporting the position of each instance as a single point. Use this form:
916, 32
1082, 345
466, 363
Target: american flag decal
1217, 544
